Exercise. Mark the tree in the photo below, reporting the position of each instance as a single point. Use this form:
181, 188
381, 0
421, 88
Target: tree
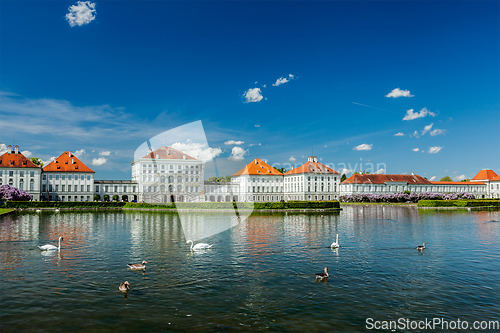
115, 197
212, 179
465, 180
228, 178
446, 179
97, 197
106, 197
343, 177
282, 170
37, 161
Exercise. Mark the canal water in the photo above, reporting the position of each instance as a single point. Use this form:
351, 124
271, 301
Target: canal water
258, 276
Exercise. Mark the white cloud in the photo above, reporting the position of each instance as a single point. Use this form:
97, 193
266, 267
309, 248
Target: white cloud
255, 144
437, 131
363, 146
99, 161
232, 142
253, 95
410, 115
105, 153
415, 149
399, 134
395, 93
415, 134
80, 14
45, 163
198, 150
434, 150
380, 171
237, 154
292, 159
79, 153
427, 128
26, 153
461, 177
3, 148
257, 125
346, 171
432, 178
283, 80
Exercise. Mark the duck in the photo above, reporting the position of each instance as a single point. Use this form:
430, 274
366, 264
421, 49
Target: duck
138, 266
421, 247
50, 247
199, 246
124, 286
322, 276
335, 245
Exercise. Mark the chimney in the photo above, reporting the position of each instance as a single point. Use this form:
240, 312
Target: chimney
413, 173
310, 159
69, 154
72, 161
315, 158
9, 149
292, 167
157, 156
16, 149
255, 160
183, 157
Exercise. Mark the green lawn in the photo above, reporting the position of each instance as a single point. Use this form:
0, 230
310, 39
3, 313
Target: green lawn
5, 210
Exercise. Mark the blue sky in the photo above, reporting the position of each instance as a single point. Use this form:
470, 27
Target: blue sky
123, 72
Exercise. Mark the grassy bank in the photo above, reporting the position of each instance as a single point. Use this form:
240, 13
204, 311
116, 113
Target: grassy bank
5, 211
180, 205
459, 203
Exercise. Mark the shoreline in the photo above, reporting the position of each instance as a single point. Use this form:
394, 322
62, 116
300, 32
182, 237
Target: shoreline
176, 210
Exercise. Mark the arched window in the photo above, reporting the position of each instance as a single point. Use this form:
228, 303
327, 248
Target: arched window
170, 188
179, 179
170, 179
179, 188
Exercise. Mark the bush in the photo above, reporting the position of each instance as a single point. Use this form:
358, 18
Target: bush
405, 197
61, 204
459, 203
106, 197
9, 193
97, 197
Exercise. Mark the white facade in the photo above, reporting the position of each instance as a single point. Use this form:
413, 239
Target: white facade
312, 181
18, 171
221, 191
168, 175
259, 188
125, 190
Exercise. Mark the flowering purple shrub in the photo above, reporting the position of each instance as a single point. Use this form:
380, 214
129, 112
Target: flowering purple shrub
404, 197
9, 193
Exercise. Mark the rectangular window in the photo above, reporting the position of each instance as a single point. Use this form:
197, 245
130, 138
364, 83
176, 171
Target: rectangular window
21, 186
69, 177
63, 177
1, 173
116, 188
133, 189
44, 177
51, 189
97, 188
124, 188
11, 173
82, 177
44, 187
88, 188
32, 186
69, 188
105, 188
88, 177
50, 177
21, 173
57, 177
62, 188
81, 188
57, 188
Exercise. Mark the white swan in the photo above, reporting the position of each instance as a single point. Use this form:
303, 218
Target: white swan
57, 210
38, 210
50, 247
335, 245
199, 246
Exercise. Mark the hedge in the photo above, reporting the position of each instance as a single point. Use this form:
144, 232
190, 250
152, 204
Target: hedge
61, 204
459, 203
180, 205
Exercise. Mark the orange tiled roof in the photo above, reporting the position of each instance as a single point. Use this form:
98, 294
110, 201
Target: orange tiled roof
457, 183
67, 162
168, 153
495, 179
14, 160
485, 174
311, 167
258, 167
381, 179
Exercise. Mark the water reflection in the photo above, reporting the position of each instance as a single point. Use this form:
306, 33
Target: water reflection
260, 274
